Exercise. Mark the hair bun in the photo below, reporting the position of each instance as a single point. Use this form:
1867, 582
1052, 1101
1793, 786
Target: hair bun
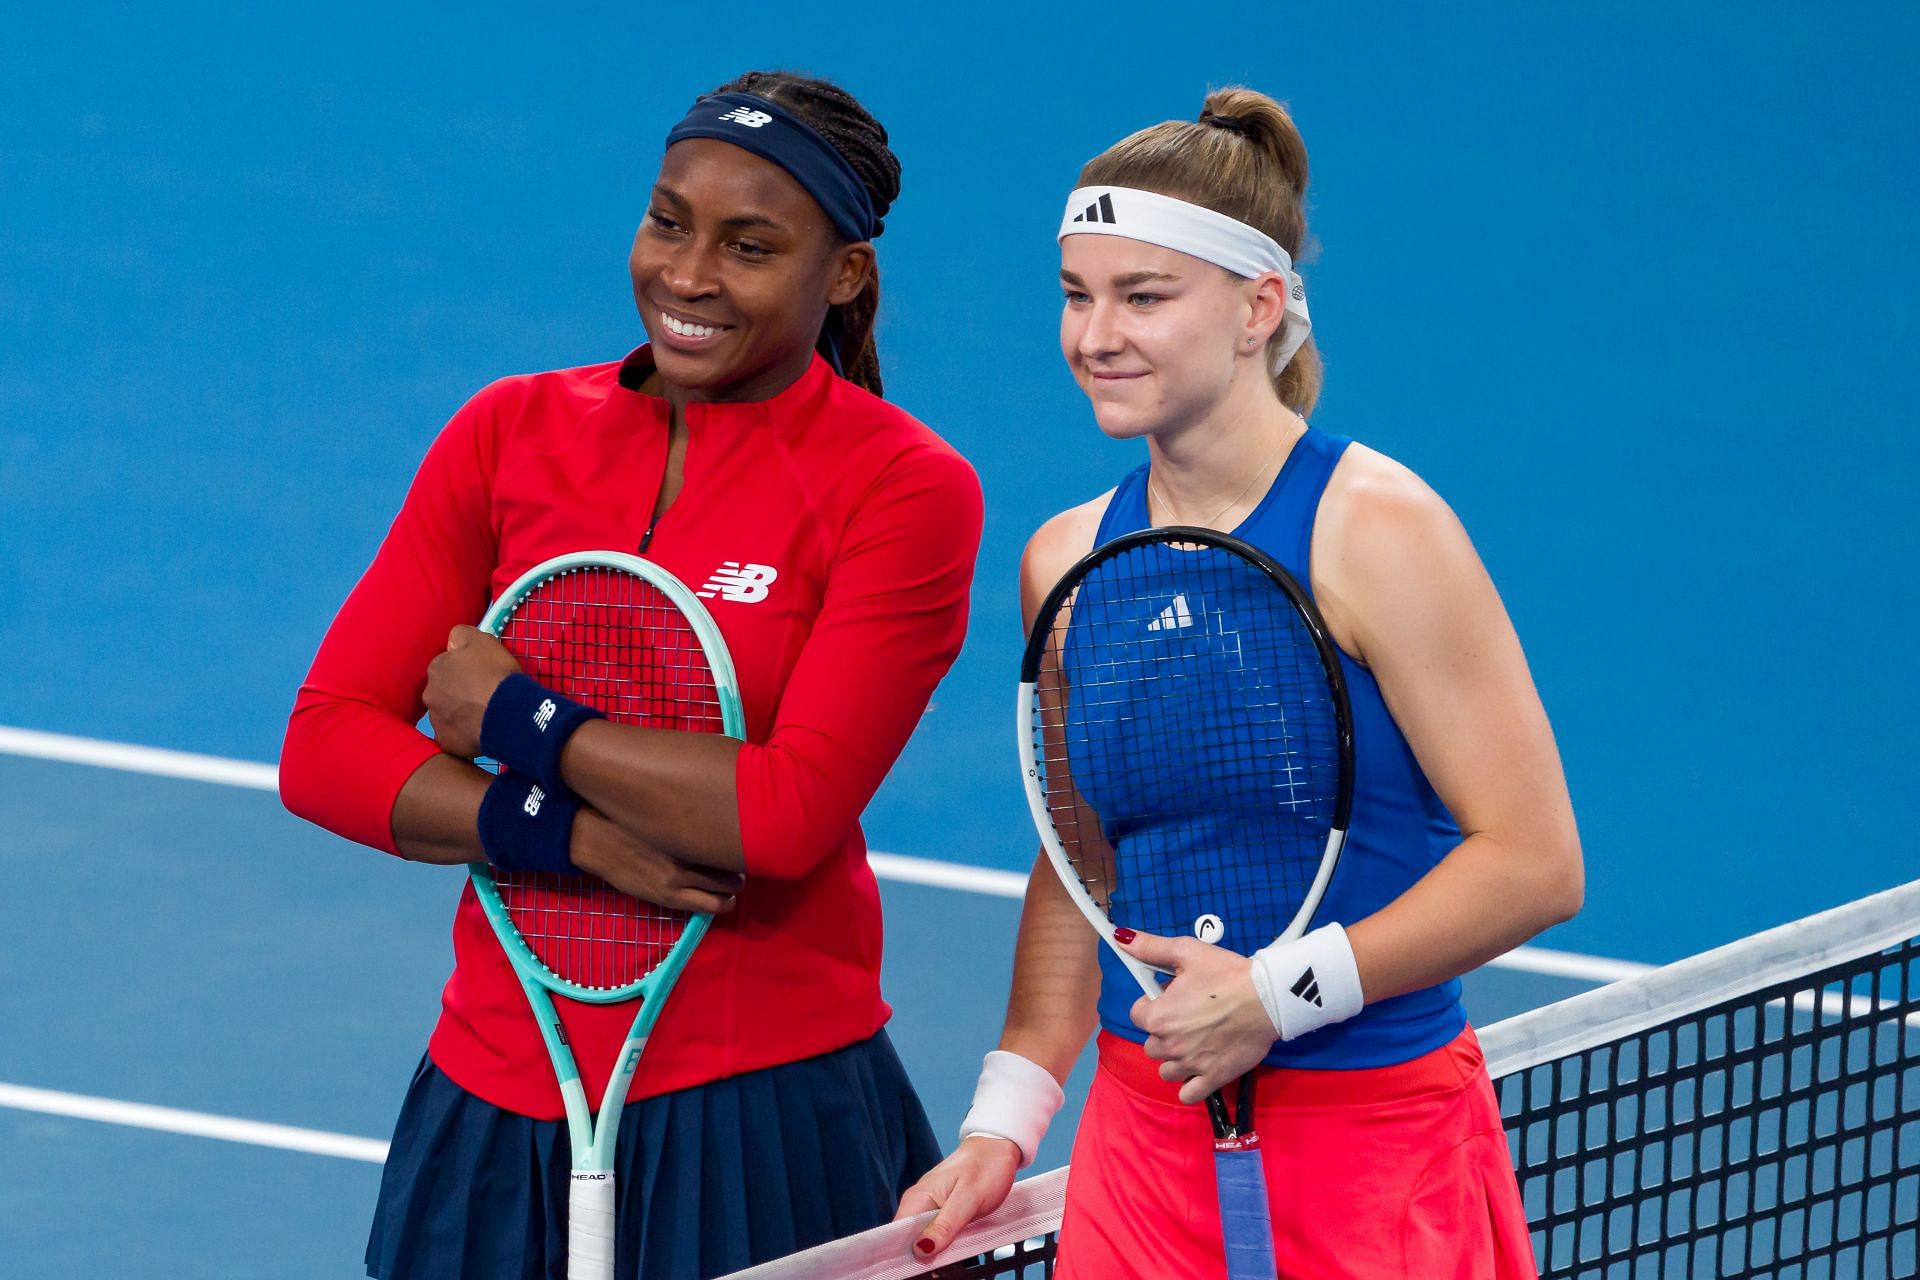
1232, 124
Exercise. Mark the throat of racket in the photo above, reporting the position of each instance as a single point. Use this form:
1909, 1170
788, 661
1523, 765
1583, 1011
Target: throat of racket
1233, 1129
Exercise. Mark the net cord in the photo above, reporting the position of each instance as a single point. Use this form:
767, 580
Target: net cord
1031, 1209
1633, 1005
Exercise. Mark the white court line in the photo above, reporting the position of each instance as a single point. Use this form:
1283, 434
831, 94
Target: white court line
947, 875
198, 1124
66, 749
132, 759
1570, 964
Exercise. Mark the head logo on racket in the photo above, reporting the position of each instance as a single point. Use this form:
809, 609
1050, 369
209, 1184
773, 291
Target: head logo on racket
1209, 928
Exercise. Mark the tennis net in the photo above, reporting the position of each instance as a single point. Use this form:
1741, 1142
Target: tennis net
1751, 1111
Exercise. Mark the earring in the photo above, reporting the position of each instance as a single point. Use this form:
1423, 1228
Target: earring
1251, 341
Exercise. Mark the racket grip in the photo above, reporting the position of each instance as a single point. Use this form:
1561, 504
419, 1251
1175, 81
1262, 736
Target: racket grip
590, 1226
1244, 1223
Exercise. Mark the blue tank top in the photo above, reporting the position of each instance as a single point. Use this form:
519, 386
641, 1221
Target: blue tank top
1399, 829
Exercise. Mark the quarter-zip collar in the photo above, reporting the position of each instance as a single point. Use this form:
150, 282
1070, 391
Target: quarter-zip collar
787, 406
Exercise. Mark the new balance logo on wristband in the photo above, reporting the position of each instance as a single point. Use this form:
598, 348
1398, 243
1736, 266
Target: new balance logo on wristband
1100, 210
748, 117
740, 583
1308, 989
531, 805
543, 714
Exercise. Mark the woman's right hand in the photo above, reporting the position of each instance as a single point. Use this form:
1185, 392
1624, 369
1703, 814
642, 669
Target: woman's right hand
970, 1182
605, 850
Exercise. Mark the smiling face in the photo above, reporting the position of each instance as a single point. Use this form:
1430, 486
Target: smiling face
1154, 337
734, 268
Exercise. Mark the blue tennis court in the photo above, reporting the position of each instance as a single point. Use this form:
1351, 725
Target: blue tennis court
1634, 291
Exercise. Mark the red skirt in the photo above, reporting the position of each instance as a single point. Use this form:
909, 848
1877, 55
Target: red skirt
1387, 1172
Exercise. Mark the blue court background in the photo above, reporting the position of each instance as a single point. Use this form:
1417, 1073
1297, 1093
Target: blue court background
1634, 290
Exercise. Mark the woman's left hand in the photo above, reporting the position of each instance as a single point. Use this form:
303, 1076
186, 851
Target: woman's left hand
1208, 1027
459, 684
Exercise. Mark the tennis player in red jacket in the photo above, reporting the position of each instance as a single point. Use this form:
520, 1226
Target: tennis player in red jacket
746, 449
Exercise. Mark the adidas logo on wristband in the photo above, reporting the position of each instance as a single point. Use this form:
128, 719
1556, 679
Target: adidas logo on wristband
1306, 988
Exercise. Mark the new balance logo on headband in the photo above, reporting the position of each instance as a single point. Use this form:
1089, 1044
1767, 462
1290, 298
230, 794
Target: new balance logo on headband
748, 117
1100, 210
1174, 616
1308, 989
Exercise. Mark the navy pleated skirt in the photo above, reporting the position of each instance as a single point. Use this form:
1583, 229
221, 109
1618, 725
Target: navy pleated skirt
709, 1180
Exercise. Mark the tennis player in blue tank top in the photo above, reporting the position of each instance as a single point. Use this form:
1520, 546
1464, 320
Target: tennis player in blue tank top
1186, 325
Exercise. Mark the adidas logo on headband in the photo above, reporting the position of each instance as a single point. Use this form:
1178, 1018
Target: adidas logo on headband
1203, 233
1100, 210
748, 117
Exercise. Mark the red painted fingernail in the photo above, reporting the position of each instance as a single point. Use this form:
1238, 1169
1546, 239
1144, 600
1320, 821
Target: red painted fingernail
1123, 936
923, 1246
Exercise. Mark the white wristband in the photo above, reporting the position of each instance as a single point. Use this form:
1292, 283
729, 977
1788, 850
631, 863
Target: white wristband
1307, 983
1015, 1100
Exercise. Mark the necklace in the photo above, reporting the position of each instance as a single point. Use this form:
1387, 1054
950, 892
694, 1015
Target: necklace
1231, 502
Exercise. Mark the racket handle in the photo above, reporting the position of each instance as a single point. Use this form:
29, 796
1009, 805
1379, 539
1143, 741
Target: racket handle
590, 1226
1244, 1223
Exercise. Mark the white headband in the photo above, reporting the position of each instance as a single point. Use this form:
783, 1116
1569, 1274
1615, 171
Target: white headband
1151, 218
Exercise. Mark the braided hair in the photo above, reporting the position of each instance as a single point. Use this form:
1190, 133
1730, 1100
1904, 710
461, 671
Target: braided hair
862, 141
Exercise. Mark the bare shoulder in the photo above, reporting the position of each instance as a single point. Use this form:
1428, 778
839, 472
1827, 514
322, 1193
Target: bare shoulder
1055, 547
1382, 535
1376, 510
1368, 487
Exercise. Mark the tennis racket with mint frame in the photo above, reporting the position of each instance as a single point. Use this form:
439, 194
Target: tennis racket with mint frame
1170, 664
629, 639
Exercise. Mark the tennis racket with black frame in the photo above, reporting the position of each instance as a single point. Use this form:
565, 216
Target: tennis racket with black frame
1188, 756
629, 639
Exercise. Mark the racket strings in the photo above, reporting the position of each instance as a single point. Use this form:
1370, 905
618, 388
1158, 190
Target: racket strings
618, 643
586, 931
1189, 744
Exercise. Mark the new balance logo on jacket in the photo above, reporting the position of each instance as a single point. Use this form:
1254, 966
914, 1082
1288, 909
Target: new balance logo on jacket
740, 583
1100, 210
1307, 987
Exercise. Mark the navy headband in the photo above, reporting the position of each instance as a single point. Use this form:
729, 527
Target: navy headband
771, 132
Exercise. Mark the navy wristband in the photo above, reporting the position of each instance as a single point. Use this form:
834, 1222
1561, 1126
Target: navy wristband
527, 725
525, 827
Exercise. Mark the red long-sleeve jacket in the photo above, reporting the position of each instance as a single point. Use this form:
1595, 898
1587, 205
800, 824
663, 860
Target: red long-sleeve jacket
837, 538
